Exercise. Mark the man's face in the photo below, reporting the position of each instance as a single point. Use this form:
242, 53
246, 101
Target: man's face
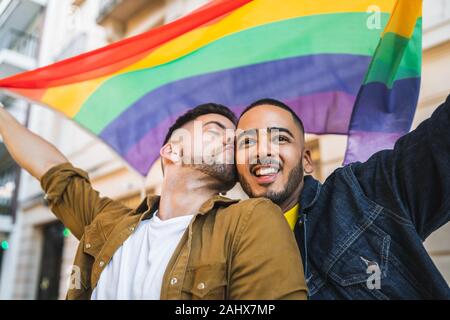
207, 144
270, 153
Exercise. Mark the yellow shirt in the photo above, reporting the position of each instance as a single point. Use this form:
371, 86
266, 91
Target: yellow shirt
292, 216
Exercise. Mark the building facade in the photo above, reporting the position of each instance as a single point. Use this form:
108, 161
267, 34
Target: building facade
21, 28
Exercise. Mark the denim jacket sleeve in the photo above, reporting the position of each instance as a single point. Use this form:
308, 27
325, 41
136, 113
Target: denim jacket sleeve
413, 179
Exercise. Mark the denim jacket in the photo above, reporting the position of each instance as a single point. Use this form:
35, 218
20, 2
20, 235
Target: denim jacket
361, 233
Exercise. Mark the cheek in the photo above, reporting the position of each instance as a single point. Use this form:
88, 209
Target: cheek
242, 159
246, 156
209, 147
290, 158
186, 152
209, 139
242, 170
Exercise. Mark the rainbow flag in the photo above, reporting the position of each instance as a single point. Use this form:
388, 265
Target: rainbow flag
322, 57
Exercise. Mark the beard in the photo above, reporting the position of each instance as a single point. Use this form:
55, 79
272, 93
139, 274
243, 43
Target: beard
278, 197
217, 167
225, 174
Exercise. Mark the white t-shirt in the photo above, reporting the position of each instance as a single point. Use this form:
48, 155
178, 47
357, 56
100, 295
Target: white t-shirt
137, 268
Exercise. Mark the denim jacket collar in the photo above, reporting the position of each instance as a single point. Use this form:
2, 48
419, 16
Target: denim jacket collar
310, 192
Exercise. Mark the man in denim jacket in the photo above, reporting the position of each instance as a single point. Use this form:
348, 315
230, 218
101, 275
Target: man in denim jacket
360, 233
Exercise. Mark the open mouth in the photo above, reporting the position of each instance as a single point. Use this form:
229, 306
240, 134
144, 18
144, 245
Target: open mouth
265, 174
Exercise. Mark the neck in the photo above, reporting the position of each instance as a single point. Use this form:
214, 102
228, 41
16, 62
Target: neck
181, 197
292, 200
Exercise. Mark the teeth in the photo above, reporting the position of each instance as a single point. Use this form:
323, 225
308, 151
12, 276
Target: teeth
266, 171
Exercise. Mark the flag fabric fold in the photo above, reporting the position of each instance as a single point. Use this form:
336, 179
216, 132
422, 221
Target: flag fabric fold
341, 74
387, 100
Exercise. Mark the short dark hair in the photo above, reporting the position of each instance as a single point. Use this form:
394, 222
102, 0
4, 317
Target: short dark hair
198, 111
279, 104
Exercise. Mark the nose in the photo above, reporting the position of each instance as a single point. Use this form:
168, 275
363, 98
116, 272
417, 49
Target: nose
264, 148
228, 138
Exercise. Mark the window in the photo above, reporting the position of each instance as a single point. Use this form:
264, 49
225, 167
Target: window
51, 261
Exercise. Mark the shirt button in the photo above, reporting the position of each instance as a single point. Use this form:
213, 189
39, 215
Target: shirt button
201, 286
101, 264
173, 281
45, 196
131, 229
88, 245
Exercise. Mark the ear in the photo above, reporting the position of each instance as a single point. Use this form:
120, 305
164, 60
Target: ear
308, 165
169, 153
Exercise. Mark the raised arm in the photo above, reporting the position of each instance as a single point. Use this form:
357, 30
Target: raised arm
413, 180
31, 152
68, 189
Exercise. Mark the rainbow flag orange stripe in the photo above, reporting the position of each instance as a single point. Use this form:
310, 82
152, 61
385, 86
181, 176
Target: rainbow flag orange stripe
315, 55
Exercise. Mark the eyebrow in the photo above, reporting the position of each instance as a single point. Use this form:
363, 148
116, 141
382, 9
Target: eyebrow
281, 130
216, 123
251, 131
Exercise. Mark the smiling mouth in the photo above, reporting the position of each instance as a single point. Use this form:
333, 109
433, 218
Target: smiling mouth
265, 171
265, 174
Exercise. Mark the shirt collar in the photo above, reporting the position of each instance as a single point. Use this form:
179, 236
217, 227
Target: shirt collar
149, 205
292, 216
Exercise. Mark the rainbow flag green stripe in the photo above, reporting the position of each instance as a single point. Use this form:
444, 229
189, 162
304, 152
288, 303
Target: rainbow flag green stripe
397, 58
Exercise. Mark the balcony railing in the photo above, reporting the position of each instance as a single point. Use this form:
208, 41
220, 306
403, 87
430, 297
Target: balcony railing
19, 41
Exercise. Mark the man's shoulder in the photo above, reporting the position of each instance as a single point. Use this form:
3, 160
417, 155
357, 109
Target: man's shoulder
248, 207
237, 204
252, 218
